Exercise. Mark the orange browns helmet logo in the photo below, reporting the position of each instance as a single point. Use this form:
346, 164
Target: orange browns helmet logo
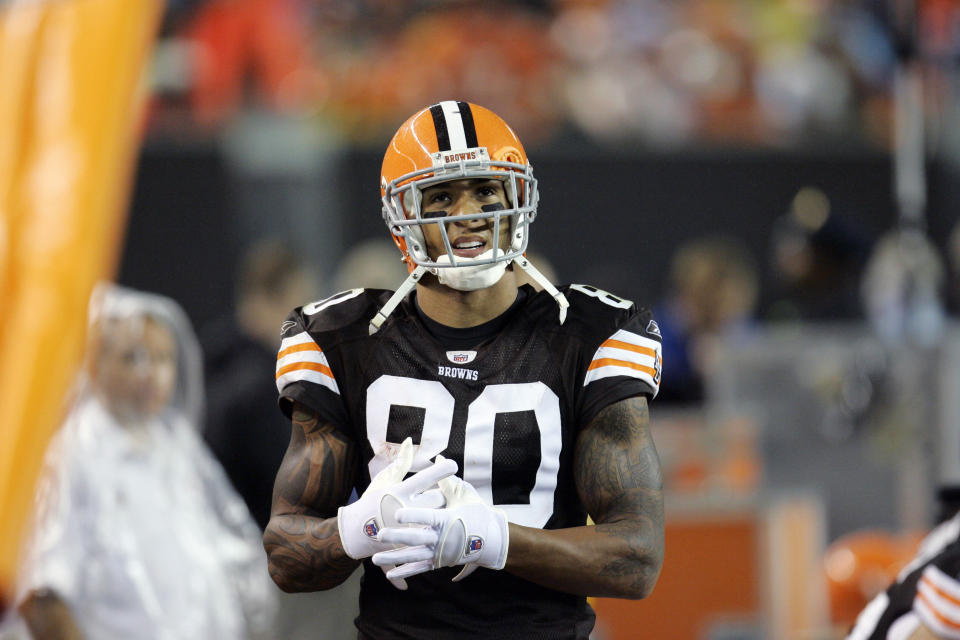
509, 154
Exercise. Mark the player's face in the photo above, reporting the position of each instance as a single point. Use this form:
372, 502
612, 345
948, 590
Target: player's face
469, 238
136, 369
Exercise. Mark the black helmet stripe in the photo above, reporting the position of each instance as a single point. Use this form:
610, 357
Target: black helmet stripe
469, 129
440, 124
454, 124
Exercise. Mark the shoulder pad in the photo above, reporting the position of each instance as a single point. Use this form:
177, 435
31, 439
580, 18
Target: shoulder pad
588, 301
595, 310
339, 312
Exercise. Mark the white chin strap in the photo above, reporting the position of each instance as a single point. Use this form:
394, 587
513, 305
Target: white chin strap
470, 278
542, 280
398, 295
486, 272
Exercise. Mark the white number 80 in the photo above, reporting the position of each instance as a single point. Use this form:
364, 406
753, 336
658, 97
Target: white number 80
438, 406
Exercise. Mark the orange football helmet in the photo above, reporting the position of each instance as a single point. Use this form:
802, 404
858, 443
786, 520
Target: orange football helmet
454, 140
861, 564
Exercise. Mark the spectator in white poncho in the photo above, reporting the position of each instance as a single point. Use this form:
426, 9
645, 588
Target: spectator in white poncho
138, 533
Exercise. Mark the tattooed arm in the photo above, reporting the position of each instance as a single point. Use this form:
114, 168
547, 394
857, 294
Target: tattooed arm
315, 478
618, 478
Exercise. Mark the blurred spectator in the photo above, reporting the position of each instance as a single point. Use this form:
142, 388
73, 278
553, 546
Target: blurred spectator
953, 271
818, 258
712, 296
903, 290
138, 533
244, 428
371, 264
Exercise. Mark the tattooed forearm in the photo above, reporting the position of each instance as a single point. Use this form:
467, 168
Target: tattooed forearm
638, 564
620, 482
305, 553
315, 478
320, 476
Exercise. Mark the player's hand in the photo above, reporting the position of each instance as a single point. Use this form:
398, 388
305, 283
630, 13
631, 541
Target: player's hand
467, 532
360, 522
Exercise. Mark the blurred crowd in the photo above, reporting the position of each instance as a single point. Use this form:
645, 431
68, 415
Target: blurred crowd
618, 71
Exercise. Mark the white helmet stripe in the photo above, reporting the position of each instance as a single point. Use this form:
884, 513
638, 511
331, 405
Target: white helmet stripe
451, 113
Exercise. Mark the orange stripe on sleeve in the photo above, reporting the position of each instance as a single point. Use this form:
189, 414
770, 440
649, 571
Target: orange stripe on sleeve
939, 616
619, 344
610, 362
312, 366
307, 346
940, 592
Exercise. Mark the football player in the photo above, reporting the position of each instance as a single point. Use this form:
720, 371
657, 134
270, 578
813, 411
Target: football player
923, 603
479, 420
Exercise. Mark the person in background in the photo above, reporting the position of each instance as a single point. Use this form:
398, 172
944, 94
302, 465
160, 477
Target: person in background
921, 604
243, 427
371, 263
712, 297
138, 533
518, 412
952, 265
817, 263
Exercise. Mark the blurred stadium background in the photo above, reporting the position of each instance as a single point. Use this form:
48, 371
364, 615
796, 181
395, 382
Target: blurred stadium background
818, 141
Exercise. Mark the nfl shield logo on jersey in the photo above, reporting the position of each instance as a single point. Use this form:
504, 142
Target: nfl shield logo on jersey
370, 528
474, 544
461, 357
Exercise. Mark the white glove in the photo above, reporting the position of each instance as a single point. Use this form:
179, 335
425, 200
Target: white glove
360, 522
466, 532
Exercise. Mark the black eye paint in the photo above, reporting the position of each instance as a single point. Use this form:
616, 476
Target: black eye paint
487, 208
